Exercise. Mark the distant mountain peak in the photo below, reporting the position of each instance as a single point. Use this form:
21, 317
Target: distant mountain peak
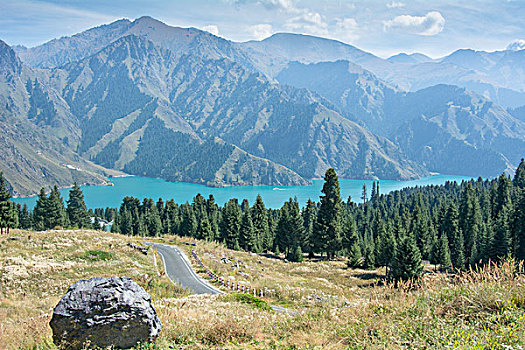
149, 21
517, 45
9, 62
410, 58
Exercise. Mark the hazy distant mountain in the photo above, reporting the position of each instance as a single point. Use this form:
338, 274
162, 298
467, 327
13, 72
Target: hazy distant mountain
518, 112
357, 93
272, 54
497, 76
428, 125
412, 58
453, 130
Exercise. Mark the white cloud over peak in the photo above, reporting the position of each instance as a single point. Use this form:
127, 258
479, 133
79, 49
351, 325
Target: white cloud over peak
285, 5
346, 28
517, 45
211, 29
261, 31
395, 4
430, 24
309, 22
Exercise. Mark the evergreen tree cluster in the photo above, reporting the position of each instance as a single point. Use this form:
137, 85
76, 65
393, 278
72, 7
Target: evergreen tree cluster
49, 212
452, 226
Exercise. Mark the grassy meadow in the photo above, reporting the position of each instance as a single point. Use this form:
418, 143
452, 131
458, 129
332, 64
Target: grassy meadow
333, 307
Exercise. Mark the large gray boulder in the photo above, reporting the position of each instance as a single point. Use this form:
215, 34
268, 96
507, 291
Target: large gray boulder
103, 312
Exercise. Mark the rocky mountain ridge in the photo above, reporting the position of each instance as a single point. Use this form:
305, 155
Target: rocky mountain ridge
182, 104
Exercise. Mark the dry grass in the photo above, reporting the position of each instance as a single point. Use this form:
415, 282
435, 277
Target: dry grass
37, 268
336, 308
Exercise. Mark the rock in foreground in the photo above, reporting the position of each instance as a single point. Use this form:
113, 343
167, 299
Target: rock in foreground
103, 312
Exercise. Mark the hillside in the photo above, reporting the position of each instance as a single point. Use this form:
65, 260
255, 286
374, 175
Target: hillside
336, 307
446, 128
496, 75
31, 156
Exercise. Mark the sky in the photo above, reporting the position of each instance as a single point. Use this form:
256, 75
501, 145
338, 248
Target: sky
383, 27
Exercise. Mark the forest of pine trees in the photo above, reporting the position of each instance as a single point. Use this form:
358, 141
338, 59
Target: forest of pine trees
452, 226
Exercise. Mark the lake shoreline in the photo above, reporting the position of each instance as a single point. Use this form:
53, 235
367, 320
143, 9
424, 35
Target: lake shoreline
273, 196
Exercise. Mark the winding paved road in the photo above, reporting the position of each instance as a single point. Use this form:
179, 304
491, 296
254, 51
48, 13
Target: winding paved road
179, 270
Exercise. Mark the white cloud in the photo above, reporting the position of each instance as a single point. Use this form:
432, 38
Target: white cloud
211, 29
395, 4
430, 24
261, 31
285, 5
517, 45
346, 29
308, 22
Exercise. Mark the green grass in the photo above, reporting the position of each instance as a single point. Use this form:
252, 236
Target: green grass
250, 299
98, 255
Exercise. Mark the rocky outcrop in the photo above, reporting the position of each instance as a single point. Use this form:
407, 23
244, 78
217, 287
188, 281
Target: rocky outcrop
104, 312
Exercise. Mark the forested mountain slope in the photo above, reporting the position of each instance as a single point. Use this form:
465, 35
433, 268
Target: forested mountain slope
133, 79
446, 128
30, 156
221, 113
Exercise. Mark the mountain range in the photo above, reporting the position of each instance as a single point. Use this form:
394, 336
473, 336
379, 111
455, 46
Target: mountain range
144, 98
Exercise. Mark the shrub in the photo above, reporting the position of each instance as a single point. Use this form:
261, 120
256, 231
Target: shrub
250, 299
98, 255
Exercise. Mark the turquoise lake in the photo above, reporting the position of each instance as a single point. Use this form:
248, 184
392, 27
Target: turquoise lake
274, 197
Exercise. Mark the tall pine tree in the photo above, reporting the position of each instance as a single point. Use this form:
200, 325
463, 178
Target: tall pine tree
329, 228
76, 208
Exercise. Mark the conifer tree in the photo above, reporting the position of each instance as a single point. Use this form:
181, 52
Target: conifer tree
407, 262
470, 222
290, 229
76, 208
13, 219
454, 236
142, 228
297, 254
125, 222
309, 217
500, 247
421, 232
260, 223
328, 228
56, 212
154, 222
386, 247
440, 252
351, 243
247, 238
502, 198
204, 229
115, 226
26, 219
5, 205
518, 227
189, 222
519, 176
457, 255
231, 223
369, 260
